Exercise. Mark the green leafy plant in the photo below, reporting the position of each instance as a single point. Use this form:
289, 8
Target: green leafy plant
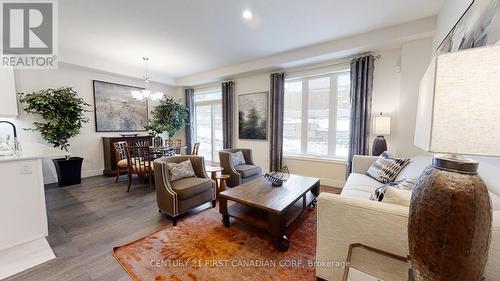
169, 116
62, 111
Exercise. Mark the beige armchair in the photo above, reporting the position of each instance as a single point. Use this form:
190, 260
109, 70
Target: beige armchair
241, 173
177, 197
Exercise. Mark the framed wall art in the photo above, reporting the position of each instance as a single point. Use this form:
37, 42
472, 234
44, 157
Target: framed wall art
116, 110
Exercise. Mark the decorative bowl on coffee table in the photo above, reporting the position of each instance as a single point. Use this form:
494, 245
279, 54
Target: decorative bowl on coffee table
277, 178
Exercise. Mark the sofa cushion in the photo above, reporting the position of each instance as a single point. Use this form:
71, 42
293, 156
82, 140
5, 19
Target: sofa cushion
123, 163
360, 186
189, 187
247, 170
397, 196
415, 168
387, 167
181, 170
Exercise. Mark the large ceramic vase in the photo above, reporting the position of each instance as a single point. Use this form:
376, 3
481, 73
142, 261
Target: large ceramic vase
449, 227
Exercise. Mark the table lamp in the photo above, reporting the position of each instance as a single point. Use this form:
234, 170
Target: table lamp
381, 127
449, 228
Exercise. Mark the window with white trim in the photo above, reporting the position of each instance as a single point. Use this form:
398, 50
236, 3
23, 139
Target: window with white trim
208, 123
317, 115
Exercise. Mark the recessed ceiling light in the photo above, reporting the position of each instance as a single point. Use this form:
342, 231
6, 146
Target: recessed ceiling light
247, 14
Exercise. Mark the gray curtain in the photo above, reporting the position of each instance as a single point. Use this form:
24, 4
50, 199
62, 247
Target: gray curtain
190, 124
361, 107
227, 114
277, 107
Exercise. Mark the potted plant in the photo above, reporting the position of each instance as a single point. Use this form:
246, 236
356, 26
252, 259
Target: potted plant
168, 116
62, 111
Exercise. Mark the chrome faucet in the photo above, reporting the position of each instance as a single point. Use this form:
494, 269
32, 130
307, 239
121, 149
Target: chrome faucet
17, 146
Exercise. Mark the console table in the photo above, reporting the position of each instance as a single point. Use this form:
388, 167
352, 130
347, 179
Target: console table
109, 153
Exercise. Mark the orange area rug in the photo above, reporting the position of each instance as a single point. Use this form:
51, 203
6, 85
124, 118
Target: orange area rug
201, 248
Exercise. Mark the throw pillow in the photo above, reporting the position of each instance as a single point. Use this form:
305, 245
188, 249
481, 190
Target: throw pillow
237, 159
380, 193
387, 168
180, 170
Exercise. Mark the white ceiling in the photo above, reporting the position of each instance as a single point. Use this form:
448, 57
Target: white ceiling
184, 37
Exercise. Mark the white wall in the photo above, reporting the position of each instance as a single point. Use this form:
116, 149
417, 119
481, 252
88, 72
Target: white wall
415, 58
386, 90
252, 84
395, 91
89, 143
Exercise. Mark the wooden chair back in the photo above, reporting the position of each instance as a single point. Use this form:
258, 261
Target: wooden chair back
139, 159
145, 143
120, 148
175, 144
196, 148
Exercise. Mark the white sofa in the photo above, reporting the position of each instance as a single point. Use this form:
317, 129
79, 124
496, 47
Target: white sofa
351, 218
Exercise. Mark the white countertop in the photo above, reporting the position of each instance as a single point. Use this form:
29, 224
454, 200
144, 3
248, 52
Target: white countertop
34, 151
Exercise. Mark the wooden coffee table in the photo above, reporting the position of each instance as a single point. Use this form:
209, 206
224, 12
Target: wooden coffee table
271, 208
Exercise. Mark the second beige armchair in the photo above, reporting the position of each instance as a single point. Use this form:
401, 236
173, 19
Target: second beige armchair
242, 173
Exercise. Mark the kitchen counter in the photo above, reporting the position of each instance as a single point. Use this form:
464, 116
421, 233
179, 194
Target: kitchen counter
35, 151
23, 214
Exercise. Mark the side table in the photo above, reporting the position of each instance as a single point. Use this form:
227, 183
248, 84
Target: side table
222, 184
214, 170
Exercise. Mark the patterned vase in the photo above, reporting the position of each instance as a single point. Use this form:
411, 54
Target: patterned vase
449, 228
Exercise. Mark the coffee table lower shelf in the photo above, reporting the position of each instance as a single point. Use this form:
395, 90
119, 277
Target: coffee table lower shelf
270, 221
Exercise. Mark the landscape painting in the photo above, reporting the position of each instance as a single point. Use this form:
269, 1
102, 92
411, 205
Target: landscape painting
116, 110
478, 27
252, 116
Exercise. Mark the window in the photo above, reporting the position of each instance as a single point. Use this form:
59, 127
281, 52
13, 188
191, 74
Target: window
317, 115
208, 127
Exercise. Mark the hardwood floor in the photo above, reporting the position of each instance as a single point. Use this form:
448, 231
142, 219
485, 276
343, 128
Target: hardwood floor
86, 221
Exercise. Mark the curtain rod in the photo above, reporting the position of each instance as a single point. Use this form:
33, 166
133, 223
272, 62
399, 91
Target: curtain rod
338, 63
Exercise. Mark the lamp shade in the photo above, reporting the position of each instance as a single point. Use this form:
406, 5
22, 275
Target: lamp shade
382, 125
459, 103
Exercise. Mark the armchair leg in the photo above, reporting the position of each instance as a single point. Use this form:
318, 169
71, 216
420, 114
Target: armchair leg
214, 203
117, 174
170, 217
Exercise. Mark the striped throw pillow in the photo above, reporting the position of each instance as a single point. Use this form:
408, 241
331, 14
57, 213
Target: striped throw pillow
387, 168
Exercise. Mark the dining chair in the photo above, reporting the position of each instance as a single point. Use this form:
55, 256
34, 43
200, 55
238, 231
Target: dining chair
196, 148
143, 143
175, 144
139, 163
120, 158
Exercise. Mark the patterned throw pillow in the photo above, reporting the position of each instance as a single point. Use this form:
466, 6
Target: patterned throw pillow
181, 170
237, 159
387, 168
405, 184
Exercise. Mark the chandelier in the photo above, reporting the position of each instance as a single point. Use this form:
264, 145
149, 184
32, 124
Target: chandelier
146, 94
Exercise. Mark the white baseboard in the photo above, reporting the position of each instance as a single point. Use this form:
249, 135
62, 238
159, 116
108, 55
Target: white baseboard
85, 174
19, 258
332, 182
